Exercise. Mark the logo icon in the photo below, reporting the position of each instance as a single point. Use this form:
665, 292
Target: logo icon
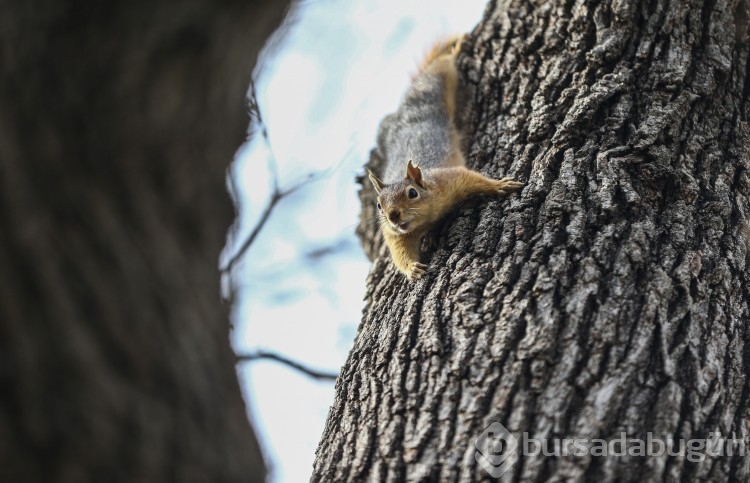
496, 450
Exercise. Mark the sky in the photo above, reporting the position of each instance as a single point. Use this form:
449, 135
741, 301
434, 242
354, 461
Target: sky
323, 84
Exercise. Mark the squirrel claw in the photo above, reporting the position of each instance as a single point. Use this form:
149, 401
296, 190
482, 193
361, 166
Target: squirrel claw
417, 270
508, 185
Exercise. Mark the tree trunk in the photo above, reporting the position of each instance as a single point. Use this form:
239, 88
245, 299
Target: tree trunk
612, 295
118, 122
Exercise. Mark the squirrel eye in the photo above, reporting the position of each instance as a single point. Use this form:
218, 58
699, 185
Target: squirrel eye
379, 207
413, 193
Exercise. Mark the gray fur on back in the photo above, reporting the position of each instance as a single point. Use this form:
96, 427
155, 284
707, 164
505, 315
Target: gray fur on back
419, 130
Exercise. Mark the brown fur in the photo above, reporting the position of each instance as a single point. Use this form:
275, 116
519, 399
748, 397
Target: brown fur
404, 220
439, 191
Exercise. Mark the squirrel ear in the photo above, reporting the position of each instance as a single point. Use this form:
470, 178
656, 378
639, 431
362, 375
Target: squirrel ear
413, 173
376, 183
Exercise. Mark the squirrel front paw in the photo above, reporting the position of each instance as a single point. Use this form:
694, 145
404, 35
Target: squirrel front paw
416, 270
507, 185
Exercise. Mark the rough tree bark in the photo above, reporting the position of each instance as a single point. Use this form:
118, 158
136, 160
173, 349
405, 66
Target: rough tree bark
118, 122
612, 295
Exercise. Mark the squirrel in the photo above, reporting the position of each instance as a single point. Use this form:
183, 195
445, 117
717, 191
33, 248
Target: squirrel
411, 201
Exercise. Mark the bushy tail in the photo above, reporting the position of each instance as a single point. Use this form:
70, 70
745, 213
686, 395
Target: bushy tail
441, 62
448, 47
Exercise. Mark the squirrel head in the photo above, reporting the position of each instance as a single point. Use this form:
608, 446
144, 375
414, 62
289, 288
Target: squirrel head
401, 205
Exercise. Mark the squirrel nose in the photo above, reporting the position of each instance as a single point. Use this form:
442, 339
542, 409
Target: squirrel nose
394, 216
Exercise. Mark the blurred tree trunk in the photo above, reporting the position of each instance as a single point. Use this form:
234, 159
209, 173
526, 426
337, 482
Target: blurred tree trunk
612, 295
118, 122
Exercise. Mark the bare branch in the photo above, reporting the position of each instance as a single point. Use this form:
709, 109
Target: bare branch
260, 354
278, 193
276, 196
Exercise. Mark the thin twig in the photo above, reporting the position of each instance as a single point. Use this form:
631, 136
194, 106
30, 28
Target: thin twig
253, 234
260, 354
276, 196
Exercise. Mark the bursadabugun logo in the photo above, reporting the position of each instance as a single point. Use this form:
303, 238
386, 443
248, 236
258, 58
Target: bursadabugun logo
496, 450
